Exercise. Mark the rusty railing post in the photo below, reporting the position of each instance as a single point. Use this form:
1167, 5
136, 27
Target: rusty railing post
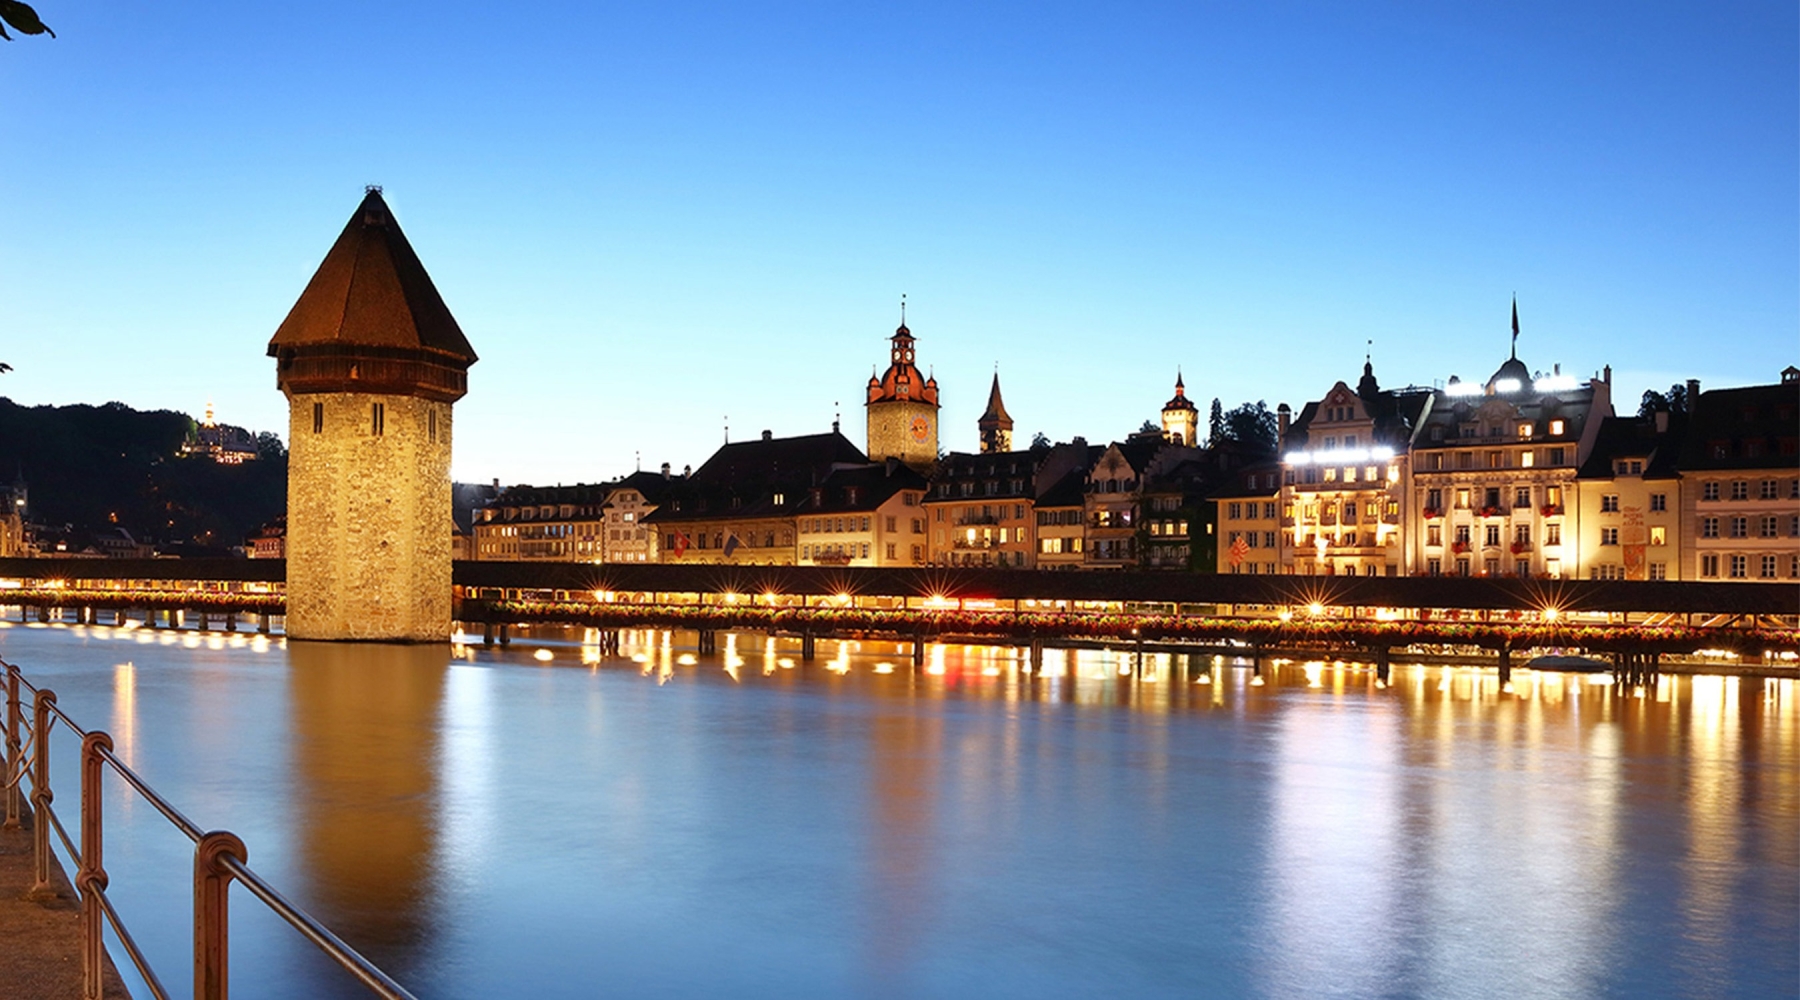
14, 748
41, 795
212, 924
90, 879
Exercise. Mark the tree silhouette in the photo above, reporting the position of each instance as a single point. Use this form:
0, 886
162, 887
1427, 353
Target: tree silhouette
22, 19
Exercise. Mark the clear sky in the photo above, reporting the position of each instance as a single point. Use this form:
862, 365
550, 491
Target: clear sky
649, 218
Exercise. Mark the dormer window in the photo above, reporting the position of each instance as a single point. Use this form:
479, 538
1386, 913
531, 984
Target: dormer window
1525, 431
1556, 427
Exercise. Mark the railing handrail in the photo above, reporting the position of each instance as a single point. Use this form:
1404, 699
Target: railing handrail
219, 858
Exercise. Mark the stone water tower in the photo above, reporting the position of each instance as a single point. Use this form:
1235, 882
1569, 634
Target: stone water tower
370, 360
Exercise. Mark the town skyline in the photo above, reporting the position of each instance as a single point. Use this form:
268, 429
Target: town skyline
653, 224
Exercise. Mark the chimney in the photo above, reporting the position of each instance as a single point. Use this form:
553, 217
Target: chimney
768, 435
1693, 394
1283, 415
686, 470
665, 470
1607, 376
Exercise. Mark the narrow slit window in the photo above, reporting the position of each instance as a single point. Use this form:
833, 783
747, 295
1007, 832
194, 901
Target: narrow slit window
431, 425
377, 418
318, 418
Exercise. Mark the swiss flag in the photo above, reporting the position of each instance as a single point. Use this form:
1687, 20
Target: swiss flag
681, 544
1239, 549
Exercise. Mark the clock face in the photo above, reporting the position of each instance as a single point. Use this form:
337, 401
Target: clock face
921, 429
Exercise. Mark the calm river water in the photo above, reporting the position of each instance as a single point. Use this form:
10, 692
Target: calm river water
656, 824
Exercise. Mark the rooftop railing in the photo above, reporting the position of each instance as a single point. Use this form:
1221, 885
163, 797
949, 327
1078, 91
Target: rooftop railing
220, 858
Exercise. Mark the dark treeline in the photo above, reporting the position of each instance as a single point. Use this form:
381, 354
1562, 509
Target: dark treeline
94, 467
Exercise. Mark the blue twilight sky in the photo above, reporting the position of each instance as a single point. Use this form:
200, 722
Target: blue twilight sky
650, 217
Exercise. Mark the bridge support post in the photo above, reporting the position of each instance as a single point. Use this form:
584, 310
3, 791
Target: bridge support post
1381, 664
262, 623
807, 647
506, 635
709, 641
1256, 658
487, 633
1505, 663
231, 621
918, 651
1036, 654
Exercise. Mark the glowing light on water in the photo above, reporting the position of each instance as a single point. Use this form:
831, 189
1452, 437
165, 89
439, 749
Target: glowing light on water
687, 659
543, 656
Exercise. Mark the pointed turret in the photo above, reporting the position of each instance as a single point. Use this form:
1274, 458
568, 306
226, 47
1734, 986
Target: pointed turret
370, 320
902, 406
995, 424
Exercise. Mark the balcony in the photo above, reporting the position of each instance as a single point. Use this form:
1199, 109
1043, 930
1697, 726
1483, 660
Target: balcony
1520, 548
1459, 547
978, 543
1550, 509
968, 519
1433, 513
1492, 512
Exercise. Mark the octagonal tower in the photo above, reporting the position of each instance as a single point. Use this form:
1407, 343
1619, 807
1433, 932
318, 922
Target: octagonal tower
370, 360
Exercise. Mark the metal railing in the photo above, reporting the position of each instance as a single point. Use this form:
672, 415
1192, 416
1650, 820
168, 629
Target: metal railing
219, 859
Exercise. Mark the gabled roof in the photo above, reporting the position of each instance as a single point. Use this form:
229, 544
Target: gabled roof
372, 291
772, 460
1633, 437
1069, 491
862, 488
1755, 427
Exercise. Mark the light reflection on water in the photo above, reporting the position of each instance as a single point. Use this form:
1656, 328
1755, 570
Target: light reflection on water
666, 823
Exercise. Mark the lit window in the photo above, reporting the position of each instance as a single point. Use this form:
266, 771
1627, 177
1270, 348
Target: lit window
1659, 535
1525, 430
1556, 427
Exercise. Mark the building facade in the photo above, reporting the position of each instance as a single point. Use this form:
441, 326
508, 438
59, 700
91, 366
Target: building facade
1494, 473
1740, 483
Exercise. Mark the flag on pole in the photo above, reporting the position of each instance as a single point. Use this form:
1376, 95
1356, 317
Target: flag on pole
681, 544
1239, 549
1515, 346
731, 542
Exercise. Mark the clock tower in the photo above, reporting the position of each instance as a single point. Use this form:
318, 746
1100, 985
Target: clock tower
903, 409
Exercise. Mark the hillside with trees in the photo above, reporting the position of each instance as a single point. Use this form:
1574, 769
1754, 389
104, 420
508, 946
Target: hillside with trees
92, 468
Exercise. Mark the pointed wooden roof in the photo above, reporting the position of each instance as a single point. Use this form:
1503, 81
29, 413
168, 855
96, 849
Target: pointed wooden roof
372, 291
996, 409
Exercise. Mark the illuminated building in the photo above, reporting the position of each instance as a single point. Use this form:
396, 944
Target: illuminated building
1112, 499
1493, 467
1061, 511
1180, 419
1629, 497
981, 509
371, 362
1740, 483
542, 524
740, 507
223, 443
629, 502
1247, 521
1345, 483
869, 515
995, 424
903, 409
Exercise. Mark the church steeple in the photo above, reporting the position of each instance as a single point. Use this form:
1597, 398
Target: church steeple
995, 424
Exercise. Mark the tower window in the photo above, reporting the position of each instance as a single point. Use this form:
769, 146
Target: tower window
318, 418
377, 419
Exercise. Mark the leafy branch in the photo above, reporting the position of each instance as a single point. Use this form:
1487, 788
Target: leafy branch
22, 19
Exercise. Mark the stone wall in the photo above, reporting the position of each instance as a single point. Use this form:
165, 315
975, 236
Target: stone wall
368, 528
